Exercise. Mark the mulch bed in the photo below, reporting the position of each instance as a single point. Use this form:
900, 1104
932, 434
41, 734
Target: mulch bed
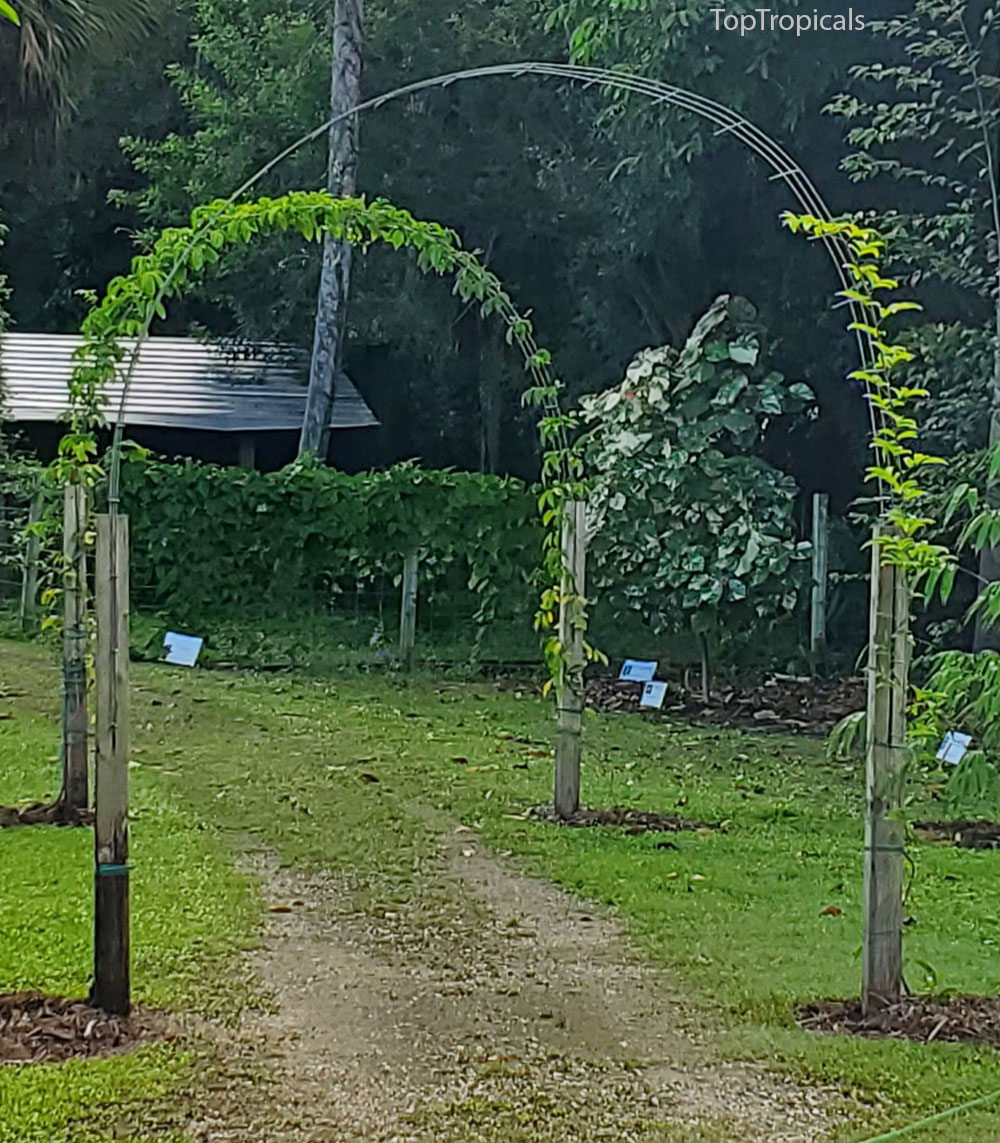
962, 1019
632, 821
45, 813
781, 702
965, 834
44, 1029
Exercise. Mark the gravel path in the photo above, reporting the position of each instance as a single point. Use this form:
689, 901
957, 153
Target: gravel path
498, 1009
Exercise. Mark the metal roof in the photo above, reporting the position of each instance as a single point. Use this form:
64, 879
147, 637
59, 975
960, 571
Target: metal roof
178, 382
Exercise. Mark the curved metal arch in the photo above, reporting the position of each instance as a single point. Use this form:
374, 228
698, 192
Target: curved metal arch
727, 122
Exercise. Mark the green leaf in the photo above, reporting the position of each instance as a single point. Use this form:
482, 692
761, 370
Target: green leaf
744, 352
8, 13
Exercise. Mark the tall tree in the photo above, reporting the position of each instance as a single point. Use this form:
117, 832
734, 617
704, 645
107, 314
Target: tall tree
937, 135
335, 276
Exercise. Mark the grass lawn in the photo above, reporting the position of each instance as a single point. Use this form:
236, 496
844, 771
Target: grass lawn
735, 914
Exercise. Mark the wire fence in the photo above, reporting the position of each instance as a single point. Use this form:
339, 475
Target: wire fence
359, 625
14, 552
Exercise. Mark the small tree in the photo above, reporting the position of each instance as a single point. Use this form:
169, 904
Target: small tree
694, 532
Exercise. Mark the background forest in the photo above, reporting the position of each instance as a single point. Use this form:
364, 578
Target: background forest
615, 222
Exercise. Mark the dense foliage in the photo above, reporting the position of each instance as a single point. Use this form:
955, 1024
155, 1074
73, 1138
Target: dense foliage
208, 541
617, 221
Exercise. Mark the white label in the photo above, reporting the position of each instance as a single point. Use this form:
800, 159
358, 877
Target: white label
953, 747
182, 650
638, 671
653, 694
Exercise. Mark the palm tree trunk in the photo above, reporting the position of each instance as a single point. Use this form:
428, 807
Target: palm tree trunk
335, 278
988, 638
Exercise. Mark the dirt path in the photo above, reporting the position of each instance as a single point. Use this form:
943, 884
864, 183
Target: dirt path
498, 1010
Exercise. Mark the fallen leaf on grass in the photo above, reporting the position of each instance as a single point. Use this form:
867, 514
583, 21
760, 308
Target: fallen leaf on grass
831, 911
279, 908
368, 778
461, 761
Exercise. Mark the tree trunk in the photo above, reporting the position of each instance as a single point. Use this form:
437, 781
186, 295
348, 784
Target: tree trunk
490, 388
335, 278
988, 638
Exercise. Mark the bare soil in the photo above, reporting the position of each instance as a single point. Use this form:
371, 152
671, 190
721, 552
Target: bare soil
964, 834
964, 1019
621, 817
46, 1029
496, 1009
780, 703
45, 813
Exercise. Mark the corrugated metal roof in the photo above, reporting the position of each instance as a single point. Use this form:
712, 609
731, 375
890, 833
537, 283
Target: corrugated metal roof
178, 383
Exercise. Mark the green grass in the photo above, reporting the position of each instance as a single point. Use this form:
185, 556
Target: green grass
734, 914
191, 911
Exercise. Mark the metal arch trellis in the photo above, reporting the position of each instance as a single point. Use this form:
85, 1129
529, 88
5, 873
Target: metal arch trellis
114, 944
727, 121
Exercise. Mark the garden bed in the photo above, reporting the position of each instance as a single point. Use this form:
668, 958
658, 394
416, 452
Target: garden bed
923, 1019
620, 817
964, 834
45, 1029
45, 813
781, 702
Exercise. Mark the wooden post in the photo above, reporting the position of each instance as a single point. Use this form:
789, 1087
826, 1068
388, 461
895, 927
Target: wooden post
74, 794
888, 662
111, 908
29, 580
820, 572
570, 689
247, 449
408, 610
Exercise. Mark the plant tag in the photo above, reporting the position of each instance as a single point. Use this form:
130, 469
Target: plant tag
953, 747
653, 694
638, 671
182, 650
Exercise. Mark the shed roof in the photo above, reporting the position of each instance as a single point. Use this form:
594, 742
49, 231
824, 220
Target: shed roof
178, 382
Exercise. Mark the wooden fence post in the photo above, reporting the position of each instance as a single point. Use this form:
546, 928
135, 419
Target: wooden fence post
888, 663
820, 573
408, 610
111, 904
74, 722
29, 579
570, 688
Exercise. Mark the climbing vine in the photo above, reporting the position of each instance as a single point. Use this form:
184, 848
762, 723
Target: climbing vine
898, 462
181, 254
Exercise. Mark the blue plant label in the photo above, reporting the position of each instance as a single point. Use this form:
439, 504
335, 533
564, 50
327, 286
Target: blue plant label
638, 671
182, 650
953, 747
653, 694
